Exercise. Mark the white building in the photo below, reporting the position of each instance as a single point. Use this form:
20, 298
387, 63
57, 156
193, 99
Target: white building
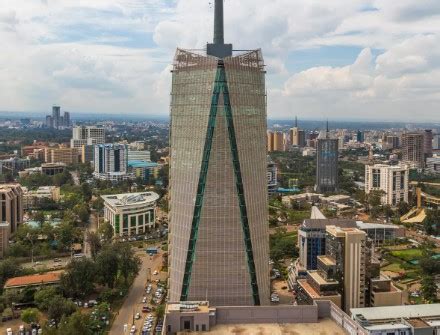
111, 162
130, 213
87, 135
139, 155
433, 165
392, 180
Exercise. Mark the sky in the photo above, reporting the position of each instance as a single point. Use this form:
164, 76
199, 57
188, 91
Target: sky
338, 59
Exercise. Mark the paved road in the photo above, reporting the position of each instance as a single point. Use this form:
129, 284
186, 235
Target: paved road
92, 227
133, 302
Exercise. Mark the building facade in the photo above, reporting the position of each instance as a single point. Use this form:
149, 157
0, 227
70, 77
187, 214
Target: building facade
111, 162
428, 138
130, 213
11, 205
272, 176
139, 155
327, 164
218, 186
66, 156
87, 135
392, 180
4, 237
433, 165
413, 149
56, 120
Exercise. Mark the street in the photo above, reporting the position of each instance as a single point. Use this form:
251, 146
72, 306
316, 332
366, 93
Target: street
133, 302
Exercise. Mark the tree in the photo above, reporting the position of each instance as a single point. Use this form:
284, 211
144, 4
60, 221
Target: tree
8, 268
44, 297
404, 208
107, 266
39, 217
432, 222
129, 263
60, 307
429, 288
78, 280
30, 315
94, 243
105, 231
77, 323
82, 211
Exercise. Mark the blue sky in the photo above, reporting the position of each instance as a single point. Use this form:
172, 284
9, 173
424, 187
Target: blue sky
357, 59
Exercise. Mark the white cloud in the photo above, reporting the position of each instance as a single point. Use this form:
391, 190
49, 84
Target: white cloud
80, 53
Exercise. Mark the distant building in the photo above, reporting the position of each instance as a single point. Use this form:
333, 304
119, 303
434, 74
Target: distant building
51, 169
130, 213
393, 180
360, 136
413, 149
87, 135
436, 142
433, 165
87, 154
68, 156
11, 205
4, 237
111, 162
143, 169
326, 164
13, 165
297, 136
279, 141
139, 155
270, 141
56, 120
428, 138
390, 142
272, 176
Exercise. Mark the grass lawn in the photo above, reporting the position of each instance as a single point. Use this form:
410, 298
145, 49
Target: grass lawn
408, 254
393, 267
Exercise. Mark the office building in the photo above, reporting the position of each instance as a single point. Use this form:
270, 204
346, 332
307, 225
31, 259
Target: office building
279, 141
390, 142
87, 154
272, 176
4, 237
297, 136
393, 180
413, 149
87, 135
433, 165
326, 163
11, 205
111, 162
139, 155
270, 141
56, 120
398, 320
130, 213
384, 293
436, 142
219, 241
428, 138
360, 136
147, 171
51, 169
67, 156
13, 165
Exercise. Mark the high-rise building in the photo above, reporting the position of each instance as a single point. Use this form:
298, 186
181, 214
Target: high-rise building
297, 136
433, 165
270, 141
67, 156
87, 135
436, 142
56, 113
56, 120
139, 155
279, 143
360, 136
4, 238
111, 162
11, 205
413, 149
428, 138
272, 173
393, 180
326, 163
218, 187
390, 142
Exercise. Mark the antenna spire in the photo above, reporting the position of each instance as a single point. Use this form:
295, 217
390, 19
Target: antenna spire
219, 23
296, 121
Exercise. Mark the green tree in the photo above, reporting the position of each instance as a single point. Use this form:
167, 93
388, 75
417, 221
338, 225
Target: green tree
129, 263
78, 280
44, 297
94, 243
39, 217
404, 208
30, 315
60, 307
429, 288
432, 222
107, 266
75, 324
105, 231
8, 268
82, 211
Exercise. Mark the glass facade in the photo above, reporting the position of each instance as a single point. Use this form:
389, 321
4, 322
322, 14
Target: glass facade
218, 199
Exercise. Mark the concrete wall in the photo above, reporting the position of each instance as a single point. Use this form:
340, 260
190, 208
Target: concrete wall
267, 314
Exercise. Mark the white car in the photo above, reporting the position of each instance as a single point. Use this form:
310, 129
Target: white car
155, 272
137, 316
144, 300
9, 331
133, 329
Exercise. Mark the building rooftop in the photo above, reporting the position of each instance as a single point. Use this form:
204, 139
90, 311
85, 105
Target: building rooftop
322, 223
130, 198
320, 280
317, 214
388, 326
327, 260
397, 312
45, 278
322, 327
190, 307
418, 323
365, 225
142, 164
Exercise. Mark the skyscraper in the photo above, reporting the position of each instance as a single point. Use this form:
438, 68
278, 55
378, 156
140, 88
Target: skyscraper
326, 163
428, 137
413, 149
111, 162
218, 185
297, 135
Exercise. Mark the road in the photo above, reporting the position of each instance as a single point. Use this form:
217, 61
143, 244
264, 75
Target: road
133, 302
92, 227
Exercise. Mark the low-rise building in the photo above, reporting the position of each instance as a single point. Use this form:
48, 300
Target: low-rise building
35, 281
384, 293
51, 169
433, 165
13, 164
33, 199
130, 213
144, 170
399, 320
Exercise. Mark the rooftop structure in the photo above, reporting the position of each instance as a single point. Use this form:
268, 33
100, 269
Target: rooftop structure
48, 278
389, 313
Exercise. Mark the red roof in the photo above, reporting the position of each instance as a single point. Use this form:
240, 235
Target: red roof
39, 279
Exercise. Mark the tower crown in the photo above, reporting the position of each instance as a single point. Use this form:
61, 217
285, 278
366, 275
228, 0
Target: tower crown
219, 48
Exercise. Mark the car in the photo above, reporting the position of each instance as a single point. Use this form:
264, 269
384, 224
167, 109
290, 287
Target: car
133, 328
137, 316
144, 300
86, 305
146, 309
155, 272
57, 260
9, 331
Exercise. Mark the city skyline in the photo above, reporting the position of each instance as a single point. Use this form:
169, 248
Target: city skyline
365, 59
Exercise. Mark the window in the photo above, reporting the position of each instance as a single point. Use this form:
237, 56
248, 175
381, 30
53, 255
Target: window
376, 178
204, 328
197, 328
